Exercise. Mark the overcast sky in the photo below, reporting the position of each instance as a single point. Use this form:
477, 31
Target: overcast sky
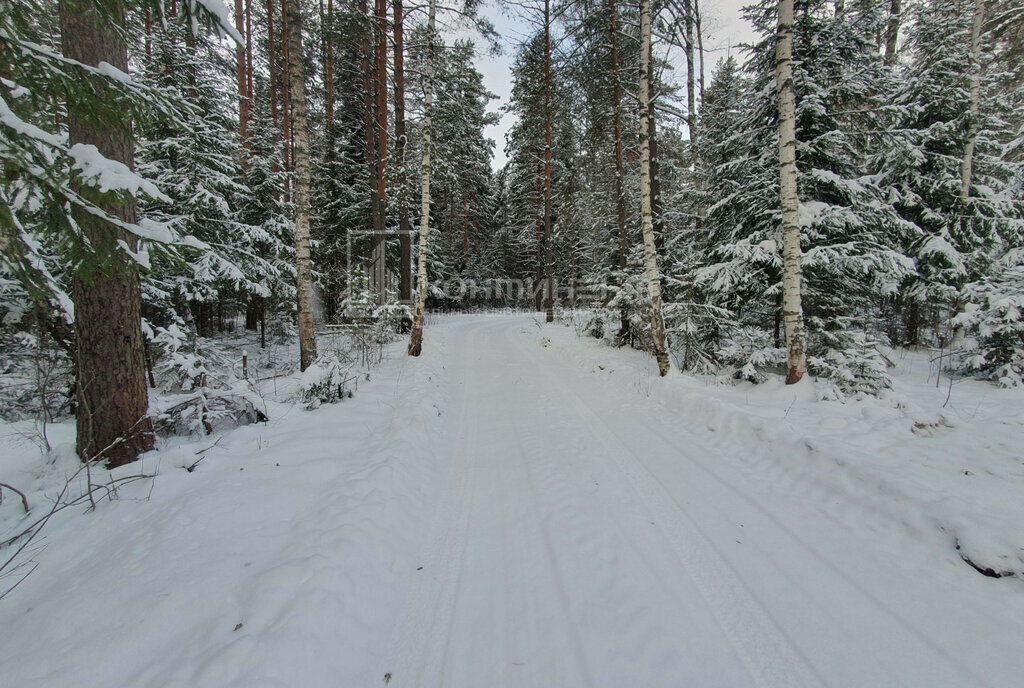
723, 28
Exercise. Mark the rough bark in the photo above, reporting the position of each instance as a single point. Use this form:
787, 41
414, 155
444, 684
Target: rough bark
700, 46
646, 209
691, 83
892, 31
272, 53
380, 73
241, 73
286, 96
328, 51
112, 400
404, 232
792, 310
248, 53
367, 67
416, 340
550, 297
620, 173
300, 127
538, 287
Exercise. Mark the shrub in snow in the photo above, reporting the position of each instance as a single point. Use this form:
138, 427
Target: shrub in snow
36, 339
328, 380
390, 319
200, 390
747, 352
994, 317
851, 362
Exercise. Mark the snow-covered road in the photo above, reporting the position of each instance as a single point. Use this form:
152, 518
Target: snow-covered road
587, 538
519, 507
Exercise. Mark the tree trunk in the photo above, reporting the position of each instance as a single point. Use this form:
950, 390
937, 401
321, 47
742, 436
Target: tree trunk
691, 84
367, 63
700, 47
240, 69
303, 272
550, 299
652, 143
892, 31
967, 165
111, 418
404, 232
272, 57
381, 131
620, 174
286, 96
416, 340
792, 310
248, 54
327, 49
647, 219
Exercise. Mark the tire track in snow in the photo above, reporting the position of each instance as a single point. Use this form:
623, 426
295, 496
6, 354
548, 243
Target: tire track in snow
688, 452
766, 649
765, 467
422, 639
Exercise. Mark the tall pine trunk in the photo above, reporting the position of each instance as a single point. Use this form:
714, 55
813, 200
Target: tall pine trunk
242, 74
549, 300
380, 73
620, 173
646, 195
416, 340
300, 128
111, 419
404, 232
272, 57
286, 114
792, 309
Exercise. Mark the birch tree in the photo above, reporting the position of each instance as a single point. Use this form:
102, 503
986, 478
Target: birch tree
792, 310
647, 215
300, 130
416, 339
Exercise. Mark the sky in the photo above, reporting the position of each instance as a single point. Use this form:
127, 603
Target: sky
723, 28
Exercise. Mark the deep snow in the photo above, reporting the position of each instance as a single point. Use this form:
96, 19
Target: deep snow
523, 507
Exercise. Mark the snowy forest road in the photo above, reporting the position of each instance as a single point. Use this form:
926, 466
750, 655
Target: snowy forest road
522, 507
587, 538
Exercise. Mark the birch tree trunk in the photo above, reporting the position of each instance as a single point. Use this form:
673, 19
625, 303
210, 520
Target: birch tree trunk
300, 129
792, 310
111, 419
647, 215
967, 166
416, 340
892, 31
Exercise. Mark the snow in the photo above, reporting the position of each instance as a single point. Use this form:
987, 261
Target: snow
523, 507
110, 175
